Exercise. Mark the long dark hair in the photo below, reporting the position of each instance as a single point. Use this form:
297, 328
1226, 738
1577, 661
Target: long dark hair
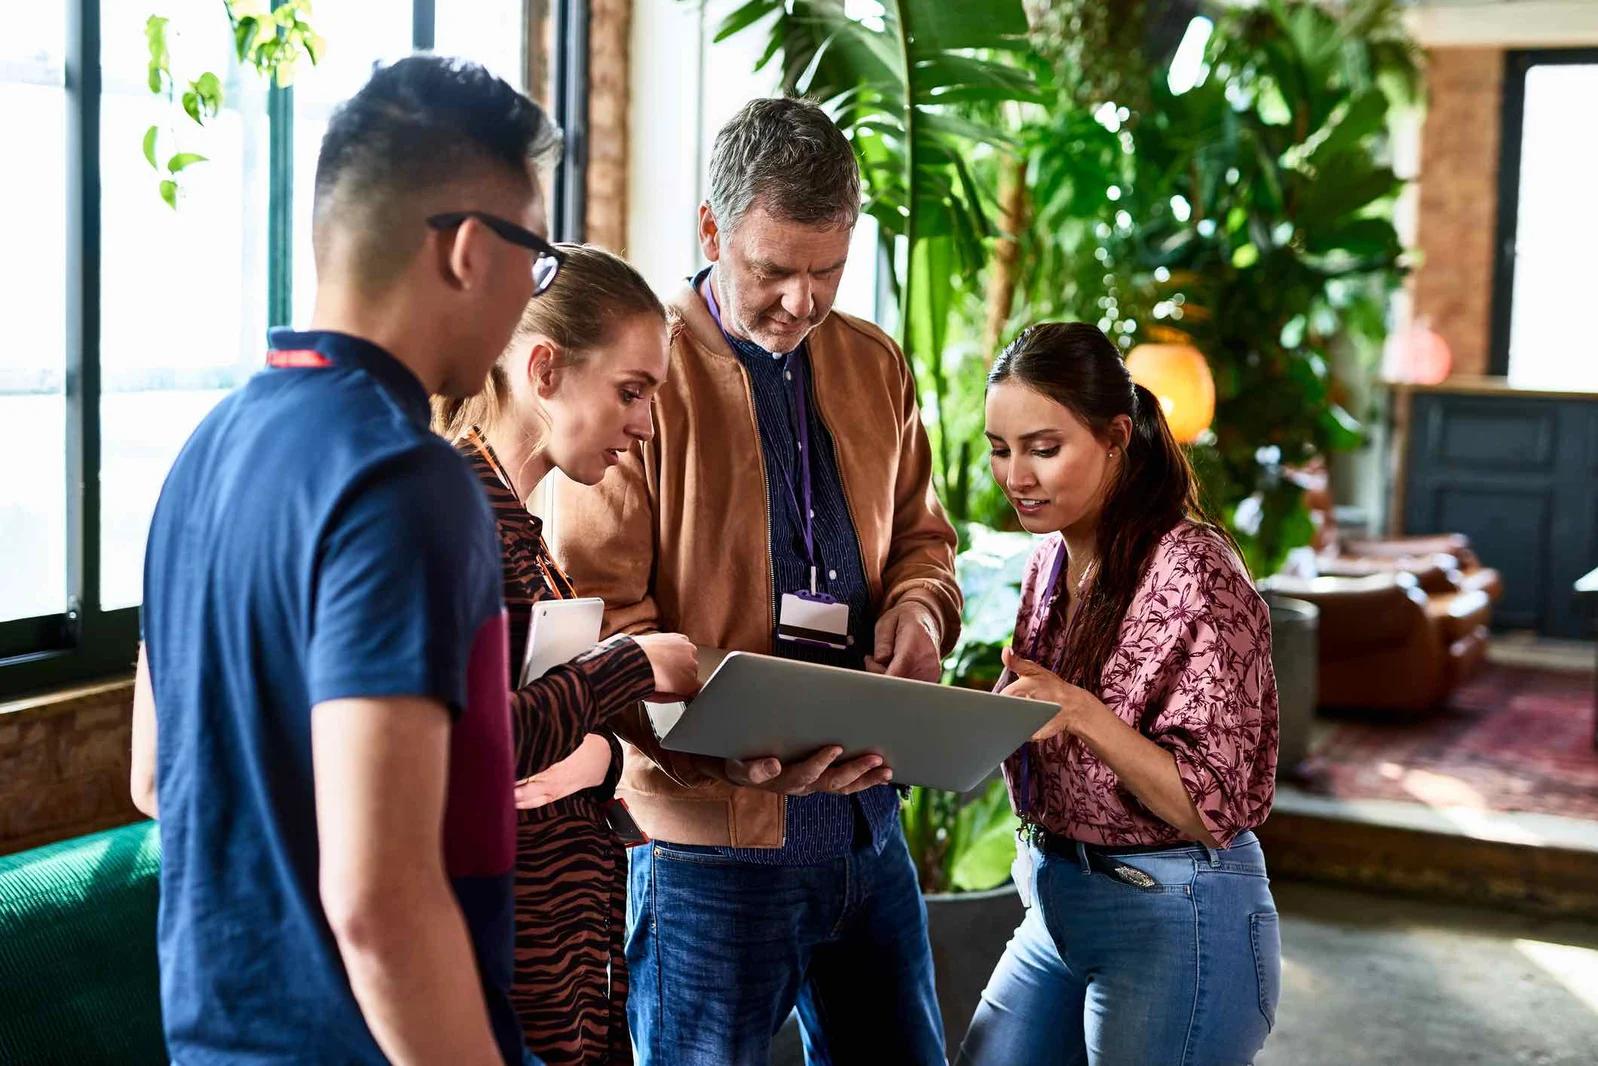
1075, 365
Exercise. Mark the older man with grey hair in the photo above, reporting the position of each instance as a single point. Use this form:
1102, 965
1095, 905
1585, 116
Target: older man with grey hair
789, 469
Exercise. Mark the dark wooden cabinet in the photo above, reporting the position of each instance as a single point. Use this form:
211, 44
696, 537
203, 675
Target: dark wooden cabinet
1516, 471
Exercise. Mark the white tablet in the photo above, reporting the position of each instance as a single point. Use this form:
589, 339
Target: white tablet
560, 631
935, 735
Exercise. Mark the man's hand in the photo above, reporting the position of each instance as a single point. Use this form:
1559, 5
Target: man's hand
584, 768
907, 644
820, 772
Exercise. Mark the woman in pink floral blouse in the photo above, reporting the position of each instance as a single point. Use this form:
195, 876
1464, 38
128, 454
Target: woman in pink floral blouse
1150, 934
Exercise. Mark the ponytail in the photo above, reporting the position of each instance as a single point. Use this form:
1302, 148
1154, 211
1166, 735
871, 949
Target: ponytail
454, 415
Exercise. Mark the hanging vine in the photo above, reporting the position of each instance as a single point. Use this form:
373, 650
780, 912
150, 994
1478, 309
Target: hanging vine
269, 39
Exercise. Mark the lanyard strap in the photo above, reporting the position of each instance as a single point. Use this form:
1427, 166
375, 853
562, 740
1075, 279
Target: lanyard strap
799, 423
794, 372
1023, 800
1046, 605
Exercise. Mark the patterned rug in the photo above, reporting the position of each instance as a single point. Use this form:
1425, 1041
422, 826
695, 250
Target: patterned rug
1514, 739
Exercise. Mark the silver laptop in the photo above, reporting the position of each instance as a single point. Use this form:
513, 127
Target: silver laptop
754, 706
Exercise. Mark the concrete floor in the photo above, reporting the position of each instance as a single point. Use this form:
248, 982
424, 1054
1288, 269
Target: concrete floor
1372, 980
1379, 981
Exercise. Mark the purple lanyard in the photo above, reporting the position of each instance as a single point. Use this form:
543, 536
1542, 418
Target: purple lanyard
1034, 645
799, 412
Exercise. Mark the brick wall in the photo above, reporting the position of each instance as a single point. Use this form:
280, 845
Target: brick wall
64, 764
1459, 199
610, 24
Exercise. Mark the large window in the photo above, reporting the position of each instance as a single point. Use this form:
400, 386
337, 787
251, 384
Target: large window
33, 419
1548, 221
127, 320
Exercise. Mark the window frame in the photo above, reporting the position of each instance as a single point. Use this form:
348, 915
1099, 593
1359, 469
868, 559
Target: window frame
84, 642
1517, 64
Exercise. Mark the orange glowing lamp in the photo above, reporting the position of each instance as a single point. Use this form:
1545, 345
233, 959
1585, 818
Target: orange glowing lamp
1179, 377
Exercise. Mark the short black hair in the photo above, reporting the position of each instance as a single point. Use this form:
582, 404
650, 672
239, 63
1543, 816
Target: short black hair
417, 125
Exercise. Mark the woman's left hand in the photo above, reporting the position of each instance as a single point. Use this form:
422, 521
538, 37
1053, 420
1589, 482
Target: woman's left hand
1033, 682
584, 768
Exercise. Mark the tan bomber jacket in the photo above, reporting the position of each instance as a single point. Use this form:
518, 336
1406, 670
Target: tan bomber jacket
677, 538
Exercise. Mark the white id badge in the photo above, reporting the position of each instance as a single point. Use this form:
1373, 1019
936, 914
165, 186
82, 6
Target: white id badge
1022, 872
813, 618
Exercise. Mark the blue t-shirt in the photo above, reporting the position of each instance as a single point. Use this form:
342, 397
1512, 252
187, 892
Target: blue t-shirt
313, 541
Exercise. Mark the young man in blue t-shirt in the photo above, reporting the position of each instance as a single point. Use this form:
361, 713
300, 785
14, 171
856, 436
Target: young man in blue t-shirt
320, 710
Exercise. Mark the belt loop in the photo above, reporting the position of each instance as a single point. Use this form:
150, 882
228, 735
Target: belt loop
1082, 856
1215, 856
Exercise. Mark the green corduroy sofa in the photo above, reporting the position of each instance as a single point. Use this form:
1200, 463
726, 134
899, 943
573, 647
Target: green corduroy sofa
78, 977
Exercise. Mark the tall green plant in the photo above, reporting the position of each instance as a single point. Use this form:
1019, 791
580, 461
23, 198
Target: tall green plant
1251, 214
919, 89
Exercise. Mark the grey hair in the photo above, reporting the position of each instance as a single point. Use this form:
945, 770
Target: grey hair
788, 155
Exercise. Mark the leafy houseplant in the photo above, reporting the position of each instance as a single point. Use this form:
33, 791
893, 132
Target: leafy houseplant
960, 844
1250, 214
272, 40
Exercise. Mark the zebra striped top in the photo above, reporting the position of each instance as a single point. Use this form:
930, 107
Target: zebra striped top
551, 714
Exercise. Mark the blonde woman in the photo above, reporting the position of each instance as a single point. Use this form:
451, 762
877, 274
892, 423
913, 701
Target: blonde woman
571, 392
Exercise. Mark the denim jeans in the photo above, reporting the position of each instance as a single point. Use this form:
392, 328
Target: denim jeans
719, 952
1186, 973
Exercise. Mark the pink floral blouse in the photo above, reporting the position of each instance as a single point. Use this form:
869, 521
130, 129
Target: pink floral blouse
1192, 671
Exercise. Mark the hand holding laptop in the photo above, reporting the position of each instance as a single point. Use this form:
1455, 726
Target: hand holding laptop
795, 728
817, 772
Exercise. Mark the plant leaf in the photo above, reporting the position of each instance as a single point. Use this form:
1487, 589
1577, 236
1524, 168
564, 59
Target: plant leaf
169, 193
243, 37
160, 60
182, 161
744, 17
149, 145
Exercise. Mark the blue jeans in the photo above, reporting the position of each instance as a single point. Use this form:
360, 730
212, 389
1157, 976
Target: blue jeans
720, 951
1184, 974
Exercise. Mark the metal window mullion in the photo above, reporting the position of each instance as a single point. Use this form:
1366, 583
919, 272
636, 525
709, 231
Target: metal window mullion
280, 205
569, 89
424, 24
83, 378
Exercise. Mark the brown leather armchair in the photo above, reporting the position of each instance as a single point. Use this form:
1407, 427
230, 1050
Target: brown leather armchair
1385, 643
1403, 619
1444, 562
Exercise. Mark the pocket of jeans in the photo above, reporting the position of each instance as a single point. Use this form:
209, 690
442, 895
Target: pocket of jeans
674, 853
1265, 932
